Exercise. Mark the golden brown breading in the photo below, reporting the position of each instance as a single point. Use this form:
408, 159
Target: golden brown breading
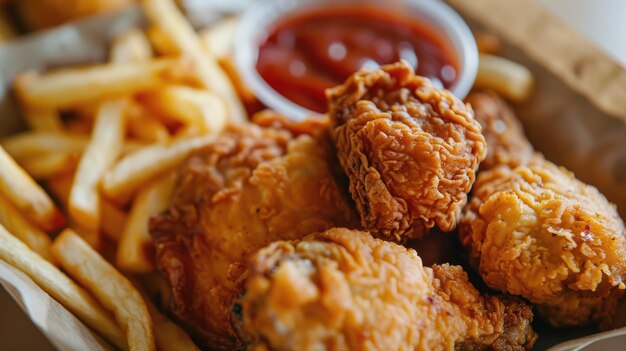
537, 232
345, 290
251, 187
506, 142
409, 150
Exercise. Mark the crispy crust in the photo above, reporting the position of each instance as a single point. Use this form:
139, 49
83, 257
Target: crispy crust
251, 187
537, 232
409, 150
345, 290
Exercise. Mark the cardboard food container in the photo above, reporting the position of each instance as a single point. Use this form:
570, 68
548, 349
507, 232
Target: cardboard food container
577, 118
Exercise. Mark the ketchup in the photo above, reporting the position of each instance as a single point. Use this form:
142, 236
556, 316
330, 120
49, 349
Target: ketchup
309, 52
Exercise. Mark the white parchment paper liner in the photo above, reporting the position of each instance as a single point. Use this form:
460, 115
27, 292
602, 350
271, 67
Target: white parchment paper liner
571, 119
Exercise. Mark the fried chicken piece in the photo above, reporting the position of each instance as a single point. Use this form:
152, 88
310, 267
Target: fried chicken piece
251, 187
536, 231
345, 290
506, 142
410, 150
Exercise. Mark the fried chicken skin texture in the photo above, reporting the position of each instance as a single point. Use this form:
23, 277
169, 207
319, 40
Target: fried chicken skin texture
251, 187
506, 142
535, 231
410, 150
346, 290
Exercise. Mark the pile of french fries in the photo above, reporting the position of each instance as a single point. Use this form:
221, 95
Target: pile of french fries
99, 160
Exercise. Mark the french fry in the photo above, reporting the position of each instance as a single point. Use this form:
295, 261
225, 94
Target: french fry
106, 140
43, 119
60, 287
131, 46
117, 295
91, 237
245, 93
49, 165
29, 144
147, 129
77, 86
142, 127
219, 38
32, 236
488, 43
132, 252
113, 220
190, 106
19, 188
168, 336
141, 166
101, 153
164, 15
161, 42
506, 77
131, 146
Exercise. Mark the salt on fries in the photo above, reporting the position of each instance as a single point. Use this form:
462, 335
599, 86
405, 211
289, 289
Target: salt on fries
164, 15
137, 168
27, 195
132, 252
506, 77
60, 287
110, 287
76, 86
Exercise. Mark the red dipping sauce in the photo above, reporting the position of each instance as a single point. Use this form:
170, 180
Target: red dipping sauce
309, 52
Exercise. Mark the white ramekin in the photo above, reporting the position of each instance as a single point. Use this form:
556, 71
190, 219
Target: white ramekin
261, 15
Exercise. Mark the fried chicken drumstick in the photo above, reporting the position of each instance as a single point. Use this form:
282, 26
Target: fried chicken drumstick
345, 290
535, 231
410, 150
251, 187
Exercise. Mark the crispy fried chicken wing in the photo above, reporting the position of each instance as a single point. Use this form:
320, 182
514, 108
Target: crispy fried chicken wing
251, 187
506, 142
345, 290
409, 150
535, 231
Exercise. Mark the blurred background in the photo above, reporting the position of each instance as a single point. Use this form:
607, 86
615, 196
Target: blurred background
599, 20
